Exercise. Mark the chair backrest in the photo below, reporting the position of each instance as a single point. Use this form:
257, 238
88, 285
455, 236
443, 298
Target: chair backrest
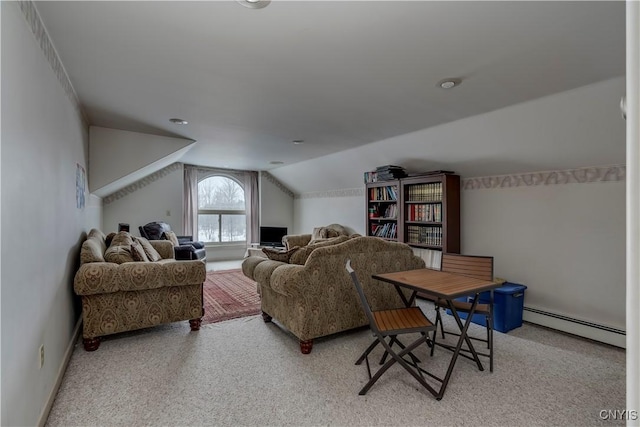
154, 230
479, 267
363, 299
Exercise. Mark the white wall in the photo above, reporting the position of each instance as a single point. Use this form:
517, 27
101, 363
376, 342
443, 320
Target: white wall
566, 242
43, 138
311, 212
276, 205
156, 198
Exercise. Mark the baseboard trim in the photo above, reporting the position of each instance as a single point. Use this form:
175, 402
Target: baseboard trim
42, 420
593, 331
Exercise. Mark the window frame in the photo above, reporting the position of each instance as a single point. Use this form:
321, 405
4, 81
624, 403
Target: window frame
221, 212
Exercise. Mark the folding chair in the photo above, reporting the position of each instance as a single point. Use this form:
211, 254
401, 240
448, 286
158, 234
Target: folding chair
480, 267
391, 323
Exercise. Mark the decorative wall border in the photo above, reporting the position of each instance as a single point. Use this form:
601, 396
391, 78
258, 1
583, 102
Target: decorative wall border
38, 29
131, 188
568, 176
344, 192
272, 179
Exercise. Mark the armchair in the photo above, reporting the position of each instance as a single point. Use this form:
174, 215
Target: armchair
184, 246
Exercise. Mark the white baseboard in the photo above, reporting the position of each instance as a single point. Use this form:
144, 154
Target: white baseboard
577, 327
63, 367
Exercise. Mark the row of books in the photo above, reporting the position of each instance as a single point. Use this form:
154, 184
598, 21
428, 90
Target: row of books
426, 212
388, 193
386, 231
430, 236
391, 212
430, 192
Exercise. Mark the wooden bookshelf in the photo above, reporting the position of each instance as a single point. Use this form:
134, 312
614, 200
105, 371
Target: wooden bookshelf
383, 209
422, 211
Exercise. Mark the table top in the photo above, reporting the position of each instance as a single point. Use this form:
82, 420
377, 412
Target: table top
437, 283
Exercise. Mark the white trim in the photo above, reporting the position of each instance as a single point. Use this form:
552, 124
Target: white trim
633, 208
42, 419
575, 328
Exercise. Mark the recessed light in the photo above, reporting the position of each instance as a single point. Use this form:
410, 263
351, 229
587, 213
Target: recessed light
449, 83
298, 141
178, 121
276, 162
254, 4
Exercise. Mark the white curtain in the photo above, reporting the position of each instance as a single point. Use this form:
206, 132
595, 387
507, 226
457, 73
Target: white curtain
248, 179
190, 211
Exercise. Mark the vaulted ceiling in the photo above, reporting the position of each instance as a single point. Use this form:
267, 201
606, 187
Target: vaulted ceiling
335, 74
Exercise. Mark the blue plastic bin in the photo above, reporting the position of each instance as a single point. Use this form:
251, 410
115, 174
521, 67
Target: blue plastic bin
508, 305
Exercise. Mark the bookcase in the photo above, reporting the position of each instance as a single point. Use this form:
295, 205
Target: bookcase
431, 212
422, 211
383, 209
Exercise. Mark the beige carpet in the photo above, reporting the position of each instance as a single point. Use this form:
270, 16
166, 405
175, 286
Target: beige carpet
244, 372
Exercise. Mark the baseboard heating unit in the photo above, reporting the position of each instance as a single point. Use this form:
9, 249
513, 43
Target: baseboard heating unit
582, 328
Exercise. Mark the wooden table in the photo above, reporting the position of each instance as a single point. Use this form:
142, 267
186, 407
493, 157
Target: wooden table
446, 286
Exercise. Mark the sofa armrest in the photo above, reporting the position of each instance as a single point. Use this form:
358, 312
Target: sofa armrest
164, 248
292, 240
289, 280
96, 278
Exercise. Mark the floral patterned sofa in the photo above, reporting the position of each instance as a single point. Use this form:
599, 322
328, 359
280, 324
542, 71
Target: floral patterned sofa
312, 295
134, 283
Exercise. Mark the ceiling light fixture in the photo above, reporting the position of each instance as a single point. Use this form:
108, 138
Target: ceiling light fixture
298, 141
276, 162
449, 83
178, 121
254, 4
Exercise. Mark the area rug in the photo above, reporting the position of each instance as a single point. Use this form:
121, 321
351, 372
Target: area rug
229, 294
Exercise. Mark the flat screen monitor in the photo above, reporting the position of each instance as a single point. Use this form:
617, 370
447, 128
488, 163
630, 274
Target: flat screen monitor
272, 236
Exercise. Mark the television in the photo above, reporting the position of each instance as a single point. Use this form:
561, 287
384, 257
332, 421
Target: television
272, 236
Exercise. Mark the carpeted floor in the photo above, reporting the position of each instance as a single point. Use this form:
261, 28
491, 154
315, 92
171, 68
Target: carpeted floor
245, 372
229, 294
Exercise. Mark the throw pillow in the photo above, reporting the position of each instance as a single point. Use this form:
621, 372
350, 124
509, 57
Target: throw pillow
300, 256
118, 254
138, 253
282, 256
92, 251
151, 252
171, 236
109, 239
122, 238
327, 233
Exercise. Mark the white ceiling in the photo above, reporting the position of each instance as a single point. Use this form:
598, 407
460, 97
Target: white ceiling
335, 74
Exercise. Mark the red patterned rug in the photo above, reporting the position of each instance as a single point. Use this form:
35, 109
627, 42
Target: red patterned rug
229, 294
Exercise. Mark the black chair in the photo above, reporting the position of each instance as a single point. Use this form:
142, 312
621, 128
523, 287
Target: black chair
186, 249
391, 323
479, 267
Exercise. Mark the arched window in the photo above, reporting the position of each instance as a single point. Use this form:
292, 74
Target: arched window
221, 210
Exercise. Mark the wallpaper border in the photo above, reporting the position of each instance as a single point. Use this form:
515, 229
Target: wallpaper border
344, 192
131, 188
38, 29
272, 179
568, 176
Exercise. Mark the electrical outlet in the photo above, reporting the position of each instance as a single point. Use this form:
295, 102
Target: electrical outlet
41, 355
168, 212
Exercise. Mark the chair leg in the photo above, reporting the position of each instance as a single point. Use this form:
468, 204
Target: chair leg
490, 341
367, 351
439, 320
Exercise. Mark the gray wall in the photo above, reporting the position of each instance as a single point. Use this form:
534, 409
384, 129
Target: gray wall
43, 138
276, 203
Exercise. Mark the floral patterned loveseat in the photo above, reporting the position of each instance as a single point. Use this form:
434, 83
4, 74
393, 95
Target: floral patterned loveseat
123, 289
316, 297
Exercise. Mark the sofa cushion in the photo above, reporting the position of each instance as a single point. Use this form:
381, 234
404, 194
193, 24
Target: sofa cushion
118, 254
137, 252
171, 236
300, 256
92, 250
278, 255
122, 238
149, 250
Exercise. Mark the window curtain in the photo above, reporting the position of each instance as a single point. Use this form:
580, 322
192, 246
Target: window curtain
252, 205
248, 179
190, 211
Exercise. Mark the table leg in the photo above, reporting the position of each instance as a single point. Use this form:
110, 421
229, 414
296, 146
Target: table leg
462, 338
